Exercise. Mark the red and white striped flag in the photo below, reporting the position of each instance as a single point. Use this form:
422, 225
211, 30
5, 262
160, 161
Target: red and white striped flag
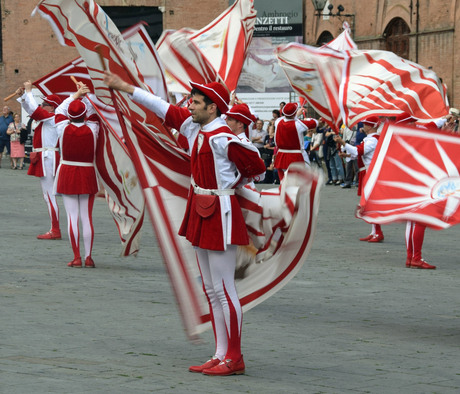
123, 193
283, 219
343, 42
217, 50
380, 83
316, 74
414, 176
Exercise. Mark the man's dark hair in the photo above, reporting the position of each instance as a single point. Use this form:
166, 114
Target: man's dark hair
275, 111
207, 100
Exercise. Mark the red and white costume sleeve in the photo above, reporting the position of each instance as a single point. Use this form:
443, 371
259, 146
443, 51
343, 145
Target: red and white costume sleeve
219, 161
76, 173
289, 141
45, 136
364, 152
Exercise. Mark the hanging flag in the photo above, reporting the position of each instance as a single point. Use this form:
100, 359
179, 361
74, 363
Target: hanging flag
414, 176
218, 49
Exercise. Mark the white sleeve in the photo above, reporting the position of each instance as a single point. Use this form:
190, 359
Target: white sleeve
150, 101
28, 102
352, 150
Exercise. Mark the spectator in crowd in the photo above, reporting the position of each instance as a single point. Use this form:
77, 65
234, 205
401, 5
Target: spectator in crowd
315, 146
275, 115
5, 120
323, 150
335, 161
15, 129
268, 153
351, 162
258, 134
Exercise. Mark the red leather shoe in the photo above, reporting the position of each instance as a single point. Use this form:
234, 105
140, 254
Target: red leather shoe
89, 263
226, 367
52, 234
408, 261
422, 264
76, 263
366, 238
207, 365
376, 238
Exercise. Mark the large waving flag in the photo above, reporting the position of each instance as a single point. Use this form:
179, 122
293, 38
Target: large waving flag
316, 74
163, 170
346, 85
217, 50
123, 194
414, 176
384, 84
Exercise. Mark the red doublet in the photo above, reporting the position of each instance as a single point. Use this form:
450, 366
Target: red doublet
287, 138
77, 146
36, 169
204, 216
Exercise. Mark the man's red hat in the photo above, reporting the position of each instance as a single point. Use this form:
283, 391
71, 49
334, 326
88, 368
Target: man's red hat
310, 123
215, 91
53, 99
77, 109
372, 121
242, 113
290, 109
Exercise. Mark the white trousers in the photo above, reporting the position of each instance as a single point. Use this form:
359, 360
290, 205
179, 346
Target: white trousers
218, 275
80, 206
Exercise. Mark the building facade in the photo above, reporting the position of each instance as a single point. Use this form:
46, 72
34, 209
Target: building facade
423, 31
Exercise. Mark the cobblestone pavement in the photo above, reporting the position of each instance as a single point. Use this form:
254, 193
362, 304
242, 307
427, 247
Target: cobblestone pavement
354, 320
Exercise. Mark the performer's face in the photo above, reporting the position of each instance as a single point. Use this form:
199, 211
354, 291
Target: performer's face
201, 113
235, 125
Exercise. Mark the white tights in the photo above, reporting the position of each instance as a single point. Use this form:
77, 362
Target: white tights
80, 206
47, 184
218, 273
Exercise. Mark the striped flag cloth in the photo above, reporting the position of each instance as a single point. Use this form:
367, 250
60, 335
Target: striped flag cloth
215, 52
414, 176
123, 194
380, 83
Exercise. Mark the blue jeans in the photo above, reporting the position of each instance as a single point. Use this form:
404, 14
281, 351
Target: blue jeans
336, 165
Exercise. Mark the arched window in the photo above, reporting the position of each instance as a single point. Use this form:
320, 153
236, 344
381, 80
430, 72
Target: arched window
324, 38
397, 37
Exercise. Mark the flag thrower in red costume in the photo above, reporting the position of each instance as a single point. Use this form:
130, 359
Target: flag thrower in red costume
281, 222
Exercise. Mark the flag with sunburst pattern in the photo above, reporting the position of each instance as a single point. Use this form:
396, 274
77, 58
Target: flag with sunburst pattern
414, 175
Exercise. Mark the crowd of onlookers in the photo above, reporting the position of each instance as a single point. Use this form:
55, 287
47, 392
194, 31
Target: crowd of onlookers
340, 169
13, 137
